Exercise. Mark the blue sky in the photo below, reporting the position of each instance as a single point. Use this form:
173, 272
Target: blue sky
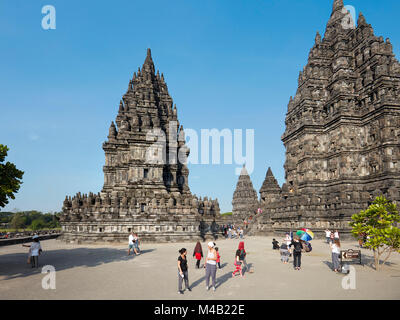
228, 64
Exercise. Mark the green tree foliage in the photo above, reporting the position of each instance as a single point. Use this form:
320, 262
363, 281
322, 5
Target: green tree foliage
379, 223
34, 220
5, 217
10, 178
38, 224
18, 221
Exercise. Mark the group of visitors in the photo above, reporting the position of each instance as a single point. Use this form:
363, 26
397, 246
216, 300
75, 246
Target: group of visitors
133, 243
233, 232
211, 261
331, 236
299, 246
291, 246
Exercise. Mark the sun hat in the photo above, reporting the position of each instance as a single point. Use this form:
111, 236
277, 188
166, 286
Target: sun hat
211, 244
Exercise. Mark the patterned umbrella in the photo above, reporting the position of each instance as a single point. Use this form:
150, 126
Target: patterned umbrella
300, 232
307, 235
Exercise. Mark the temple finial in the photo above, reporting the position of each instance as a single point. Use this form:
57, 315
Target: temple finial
361, 19
337, 5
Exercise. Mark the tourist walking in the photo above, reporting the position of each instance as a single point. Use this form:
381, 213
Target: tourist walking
288, 240
198, 254
211, 265
218, 258
336, 235
297, 247
136, 243
284, 251
241, 255
327, 235
331, 238
130, 243
240, 260
183, 271
35, 250
335, 248
238, 267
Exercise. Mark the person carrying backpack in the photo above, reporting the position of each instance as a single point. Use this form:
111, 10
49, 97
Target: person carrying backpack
297, 248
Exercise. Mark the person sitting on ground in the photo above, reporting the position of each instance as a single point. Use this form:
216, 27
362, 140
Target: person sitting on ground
275, 244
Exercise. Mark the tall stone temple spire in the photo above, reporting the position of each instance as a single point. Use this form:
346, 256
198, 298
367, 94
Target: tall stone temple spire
342, 135
245, 199
145, 183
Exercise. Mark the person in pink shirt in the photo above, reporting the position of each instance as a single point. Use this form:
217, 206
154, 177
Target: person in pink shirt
218, 258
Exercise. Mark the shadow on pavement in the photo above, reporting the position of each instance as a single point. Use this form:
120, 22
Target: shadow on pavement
15, 265
222, 279
366, 260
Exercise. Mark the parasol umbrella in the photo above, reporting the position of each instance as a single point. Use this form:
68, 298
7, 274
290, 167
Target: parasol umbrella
308, 235
300, 232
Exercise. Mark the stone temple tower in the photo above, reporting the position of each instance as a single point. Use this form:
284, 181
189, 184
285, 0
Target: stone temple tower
133, 160
270, 190
245, 199
342, 134
146, 186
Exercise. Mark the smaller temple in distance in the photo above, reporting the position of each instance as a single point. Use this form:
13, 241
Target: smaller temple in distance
245, 199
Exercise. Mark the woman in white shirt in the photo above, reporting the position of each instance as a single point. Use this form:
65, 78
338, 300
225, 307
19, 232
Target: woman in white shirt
335, 248
288, 239
211, 265
327, 235
336, 234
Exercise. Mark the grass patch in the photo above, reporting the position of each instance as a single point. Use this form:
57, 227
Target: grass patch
226, 214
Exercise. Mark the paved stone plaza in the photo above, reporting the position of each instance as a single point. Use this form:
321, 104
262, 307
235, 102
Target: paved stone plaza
106, 272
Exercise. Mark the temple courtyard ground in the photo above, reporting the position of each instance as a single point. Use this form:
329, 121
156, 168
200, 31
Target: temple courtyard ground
106, 272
